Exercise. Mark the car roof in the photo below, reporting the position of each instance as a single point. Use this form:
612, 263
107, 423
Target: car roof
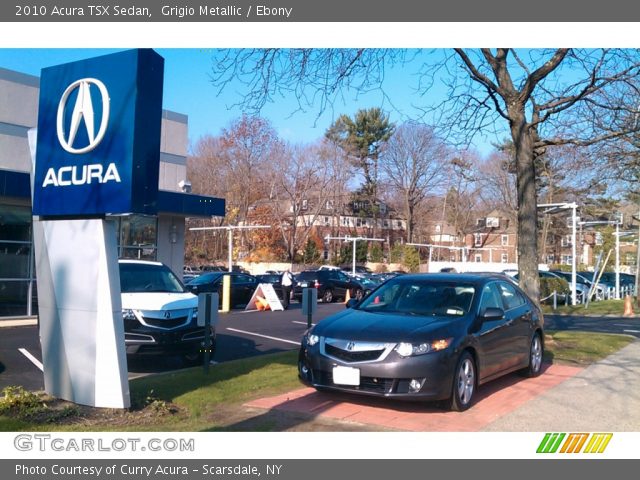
479, 277
139, 262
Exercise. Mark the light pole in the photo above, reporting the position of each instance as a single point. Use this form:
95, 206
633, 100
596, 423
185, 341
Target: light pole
354, 240
552, 208
617, 223
230, 229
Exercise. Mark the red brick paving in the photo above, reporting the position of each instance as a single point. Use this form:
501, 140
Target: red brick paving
494, 400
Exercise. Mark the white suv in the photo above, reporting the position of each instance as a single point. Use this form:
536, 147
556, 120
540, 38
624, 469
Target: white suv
160, 315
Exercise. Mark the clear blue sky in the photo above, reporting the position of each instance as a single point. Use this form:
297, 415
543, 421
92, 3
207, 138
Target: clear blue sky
187, 90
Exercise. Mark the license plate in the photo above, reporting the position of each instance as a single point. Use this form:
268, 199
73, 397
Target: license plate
346, 376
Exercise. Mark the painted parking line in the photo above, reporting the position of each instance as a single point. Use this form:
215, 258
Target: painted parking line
302, 323
31, 358
263, 336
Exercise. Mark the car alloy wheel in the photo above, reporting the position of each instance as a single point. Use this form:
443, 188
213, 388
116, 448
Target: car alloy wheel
464, 383
535, 357
327, 297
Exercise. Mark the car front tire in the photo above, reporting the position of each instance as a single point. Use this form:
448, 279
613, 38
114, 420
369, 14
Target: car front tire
464, 383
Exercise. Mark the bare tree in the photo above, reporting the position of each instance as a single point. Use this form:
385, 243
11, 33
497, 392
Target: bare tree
414, 164
544, 98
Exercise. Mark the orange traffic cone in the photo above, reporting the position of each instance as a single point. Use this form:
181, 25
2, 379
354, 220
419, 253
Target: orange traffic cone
628, 306
347, 297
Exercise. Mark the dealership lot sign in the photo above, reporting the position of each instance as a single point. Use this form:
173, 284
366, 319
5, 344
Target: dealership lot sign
99, 136
96, 152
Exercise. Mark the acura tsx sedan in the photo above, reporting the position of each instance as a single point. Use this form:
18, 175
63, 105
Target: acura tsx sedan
426, 337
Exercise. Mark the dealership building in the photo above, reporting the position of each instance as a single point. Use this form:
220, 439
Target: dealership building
152, 237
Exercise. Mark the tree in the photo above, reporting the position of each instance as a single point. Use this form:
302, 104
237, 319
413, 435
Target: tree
414, 164
544, 98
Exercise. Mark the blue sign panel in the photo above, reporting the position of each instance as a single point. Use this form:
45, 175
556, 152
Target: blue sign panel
98, 148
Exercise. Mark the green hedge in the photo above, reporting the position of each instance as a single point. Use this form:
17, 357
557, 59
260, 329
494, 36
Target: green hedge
549, 285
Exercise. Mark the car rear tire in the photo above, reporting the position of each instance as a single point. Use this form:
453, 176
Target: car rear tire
536, 350
327, 296
464, 383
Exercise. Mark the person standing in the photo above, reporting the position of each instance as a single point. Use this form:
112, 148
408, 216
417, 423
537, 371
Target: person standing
287, 283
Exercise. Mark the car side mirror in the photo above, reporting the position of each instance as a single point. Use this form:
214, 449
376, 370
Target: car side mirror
492, 313
352, 303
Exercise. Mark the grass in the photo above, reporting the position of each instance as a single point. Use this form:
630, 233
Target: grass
189, 401
603, 307
582, 348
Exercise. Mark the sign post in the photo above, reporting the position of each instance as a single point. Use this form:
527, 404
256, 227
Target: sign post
309, 304
207, 316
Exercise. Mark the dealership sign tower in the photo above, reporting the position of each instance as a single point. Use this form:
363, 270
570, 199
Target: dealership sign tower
97, 153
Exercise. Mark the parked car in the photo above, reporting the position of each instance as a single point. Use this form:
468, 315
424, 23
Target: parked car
273, 278
426, 337
359, 269
626, 280
242, 286
583, 285
159, 314
331, 284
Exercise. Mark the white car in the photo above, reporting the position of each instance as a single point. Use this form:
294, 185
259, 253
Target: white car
160, 316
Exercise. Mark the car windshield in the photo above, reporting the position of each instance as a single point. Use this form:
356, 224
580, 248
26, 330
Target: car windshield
206, 278
143, 277
420, 297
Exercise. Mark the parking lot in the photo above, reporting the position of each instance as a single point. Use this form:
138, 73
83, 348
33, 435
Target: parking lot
502, 403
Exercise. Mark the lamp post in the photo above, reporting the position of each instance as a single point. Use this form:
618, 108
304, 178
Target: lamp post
354, 240
555, 207
230, 229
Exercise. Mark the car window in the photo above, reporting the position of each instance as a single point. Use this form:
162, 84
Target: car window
490, 297
421, 298
206, 278
137, 277
241, 279
511, 297
342, 277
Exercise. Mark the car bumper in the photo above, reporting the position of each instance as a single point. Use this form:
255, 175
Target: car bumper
171, 342
388, 378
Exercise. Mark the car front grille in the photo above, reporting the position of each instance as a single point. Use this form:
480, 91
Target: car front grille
353, 357
166, 323
367, 384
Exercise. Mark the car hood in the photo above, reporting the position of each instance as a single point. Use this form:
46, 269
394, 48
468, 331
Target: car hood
355, 324
159, 301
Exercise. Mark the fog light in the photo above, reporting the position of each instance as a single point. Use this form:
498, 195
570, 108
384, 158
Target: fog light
416, 384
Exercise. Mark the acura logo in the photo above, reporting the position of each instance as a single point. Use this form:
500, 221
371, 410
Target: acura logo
167, 314
82, 113
351, 345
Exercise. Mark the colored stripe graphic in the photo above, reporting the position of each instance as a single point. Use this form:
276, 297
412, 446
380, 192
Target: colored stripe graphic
550, 442
574, 443
597, 442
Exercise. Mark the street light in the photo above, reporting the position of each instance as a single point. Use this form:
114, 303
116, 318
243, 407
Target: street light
553, 208
354, 240
230, 229
617, 223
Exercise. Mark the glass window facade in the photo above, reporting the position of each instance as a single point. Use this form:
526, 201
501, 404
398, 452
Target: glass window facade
16, 262
136, 238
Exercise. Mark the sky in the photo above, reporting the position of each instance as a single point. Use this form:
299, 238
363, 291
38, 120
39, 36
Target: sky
188, 90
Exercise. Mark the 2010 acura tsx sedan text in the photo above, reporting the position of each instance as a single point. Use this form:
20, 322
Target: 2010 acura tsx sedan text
426, 337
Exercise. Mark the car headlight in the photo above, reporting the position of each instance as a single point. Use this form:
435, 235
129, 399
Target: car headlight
311, 339
127, 314
405, 349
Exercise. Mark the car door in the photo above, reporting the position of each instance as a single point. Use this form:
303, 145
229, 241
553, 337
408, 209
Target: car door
492, 334
342, 283
517, 312
243, 287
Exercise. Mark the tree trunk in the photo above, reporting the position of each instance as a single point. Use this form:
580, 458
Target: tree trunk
527, 206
